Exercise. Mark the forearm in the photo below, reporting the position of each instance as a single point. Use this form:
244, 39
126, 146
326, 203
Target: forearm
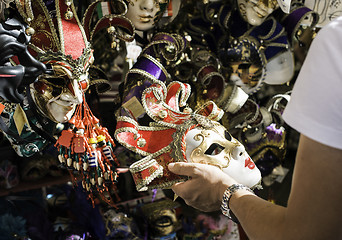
314, 205
259, 218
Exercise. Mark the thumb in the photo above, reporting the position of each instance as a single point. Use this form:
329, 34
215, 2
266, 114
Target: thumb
183, 168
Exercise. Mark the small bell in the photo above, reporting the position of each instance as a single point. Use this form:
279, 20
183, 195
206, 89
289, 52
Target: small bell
100, 181
114, 176
68, 15
30, 31
187, 110
78, 166
113, 44
162, 114
106, 176
111, 30
141, 142
92, 181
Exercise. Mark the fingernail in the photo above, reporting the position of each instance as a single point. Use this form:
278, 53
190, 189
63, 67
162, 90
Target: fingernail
171, 165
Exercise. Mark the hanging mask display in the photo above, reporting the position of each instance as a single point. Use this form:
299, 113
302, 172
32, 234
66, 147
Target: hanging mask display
57, 96
279, 57
14, 42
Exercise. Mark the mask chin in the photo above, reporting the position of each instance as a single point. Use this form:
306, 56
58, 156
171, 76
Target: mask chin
280, 69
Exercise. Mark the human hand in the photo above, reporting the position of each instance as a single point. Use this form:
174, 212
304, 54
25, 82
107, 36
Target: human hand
205, 189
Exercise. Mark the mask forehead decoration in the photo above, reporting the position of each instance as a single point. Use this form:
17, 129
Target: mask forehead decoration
164, 140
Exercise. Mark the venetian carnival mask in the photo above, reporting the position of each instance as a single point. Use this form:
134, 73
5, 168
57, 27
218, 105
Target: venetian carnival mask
145, 13
247, 63
280, 69
58, 95
217, 147
161, 218
181, 136
68, 55
256, 11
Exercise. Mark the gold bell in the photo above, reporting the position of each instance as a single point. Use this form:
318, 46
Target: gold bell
113, 44
162, 114
68, 15
111, 29
30, 31
141, 142
187, 110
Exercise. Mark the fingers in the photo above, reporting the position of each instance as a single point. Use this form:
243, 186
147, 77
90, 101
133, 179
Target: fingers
180, 189
186, 169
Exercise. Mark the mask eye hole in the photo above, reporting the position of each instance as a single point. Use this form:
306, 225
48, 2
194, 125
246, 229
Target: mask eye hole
56, 91
227, 136
214, 149
56, 81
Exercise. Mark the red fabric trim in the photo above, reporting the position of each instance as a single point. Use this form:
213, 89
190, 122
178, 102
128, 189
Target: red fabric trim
73, 38
2, 107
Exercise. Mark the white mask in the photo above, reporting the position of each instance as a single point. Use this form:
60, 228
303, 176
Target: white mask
217, 147
144, 13
256, 11
280, 69
57, 96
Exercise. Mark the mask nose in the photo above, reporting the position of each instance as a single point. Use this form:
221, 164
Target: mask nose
73, 93
238, 151
147, 5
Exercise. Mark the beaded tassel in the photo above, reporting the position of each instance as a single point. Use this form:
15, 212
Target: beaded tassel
86, 148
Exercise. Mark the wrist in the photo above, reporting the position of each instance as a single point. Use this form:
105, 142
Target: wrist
228, 194
225, 184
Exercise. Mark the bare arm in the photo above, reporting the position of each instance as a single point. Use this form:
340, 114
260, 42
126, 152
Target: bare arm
314, 208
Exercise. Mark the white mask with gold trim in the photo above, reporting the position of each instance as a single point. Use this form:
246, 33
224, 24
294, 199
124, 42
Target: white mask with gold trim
217, 147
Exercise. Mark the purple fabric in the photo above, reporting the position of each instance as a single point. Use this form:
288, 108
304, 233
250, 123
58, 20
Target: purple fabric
291, 21
149, 66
